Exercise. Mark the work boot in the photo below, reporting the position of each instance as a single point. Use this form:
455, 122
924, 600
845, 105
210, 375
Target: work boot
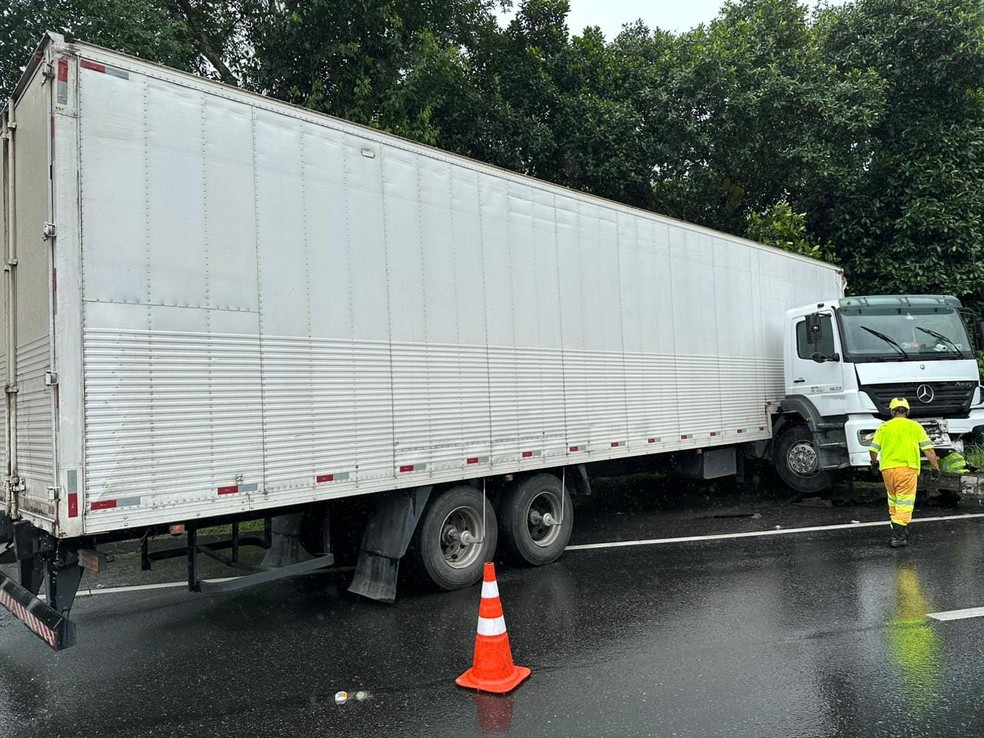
900, 536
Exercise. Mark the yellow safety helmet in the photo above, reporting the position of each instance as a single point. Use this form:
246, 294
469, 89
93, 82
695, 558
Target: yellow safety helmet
898, 402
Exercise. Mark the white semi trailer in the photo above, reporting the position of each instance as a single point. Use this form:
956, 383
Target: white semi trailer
219, 307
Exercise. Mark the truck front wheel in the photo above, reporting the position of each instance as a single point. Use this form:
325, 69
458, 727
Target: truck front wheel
797, 460
455, 538
536, 520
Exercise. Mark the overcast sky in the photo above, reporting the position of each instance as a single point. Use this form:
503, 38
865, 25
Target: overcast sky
670, 15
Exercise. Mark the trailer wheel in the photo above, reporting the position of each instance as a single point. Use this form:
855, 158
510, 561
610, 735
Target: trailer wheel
536, 520
451, 544
797, 461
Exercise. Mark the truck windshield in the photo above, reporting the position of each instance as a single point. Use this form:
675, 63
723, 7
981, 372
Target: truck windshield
904, 333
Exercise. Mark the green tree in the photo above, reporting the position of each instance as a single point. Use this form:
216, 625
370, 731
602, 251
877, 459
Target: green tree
513, 99
561, 108
781, 227
145, 28
390, 64
910, 219
758, 107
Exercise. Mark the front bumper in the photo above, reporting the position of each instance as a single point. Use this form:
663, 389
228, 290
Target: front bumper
945, 433
963, 426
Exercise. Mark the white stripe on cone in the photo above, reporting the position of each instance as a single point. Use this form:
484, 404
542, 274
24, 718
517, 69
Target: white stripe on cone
491, 626
490, 590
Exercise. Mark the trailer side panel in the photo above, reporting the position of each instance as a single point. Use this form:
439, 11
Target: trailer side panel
281, 307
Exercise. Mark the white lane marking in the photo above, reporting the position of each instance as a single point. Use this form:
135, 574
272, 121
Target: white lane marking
759, 533
970, 612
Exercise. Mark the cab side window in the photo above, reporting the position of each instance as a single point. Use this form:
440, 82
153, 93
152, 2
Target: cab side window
805, 349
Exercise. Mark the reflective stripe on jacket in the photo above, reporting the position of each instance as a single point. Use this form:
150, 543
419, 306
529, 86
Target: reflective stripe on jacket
954, 463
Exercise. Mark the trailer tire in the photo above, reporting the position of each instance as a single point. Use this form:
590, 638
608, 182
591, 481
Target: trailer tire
438, 551
797, 460
527, 536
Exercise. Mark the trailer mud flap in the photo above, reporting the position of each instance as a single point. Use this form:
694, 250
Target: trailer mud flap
49, 625
385, 541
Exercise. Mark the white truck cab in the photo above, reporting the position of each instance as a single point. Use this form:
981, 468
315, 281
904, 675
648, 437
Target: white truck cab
844, 362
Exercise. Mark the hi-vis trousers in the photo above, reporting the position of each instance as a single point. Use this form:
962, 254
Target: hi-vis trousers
900, 483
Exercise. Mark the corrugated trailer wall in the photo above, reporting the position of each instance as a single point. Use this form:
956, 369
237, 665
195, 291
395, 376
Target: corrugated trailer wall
280, 307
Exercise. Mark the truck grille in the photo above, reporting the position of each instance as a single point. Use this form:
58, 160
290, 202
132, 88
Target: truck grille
950, 399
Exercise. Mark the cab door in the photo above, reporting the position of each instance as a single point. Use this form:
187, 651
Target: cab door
815, 357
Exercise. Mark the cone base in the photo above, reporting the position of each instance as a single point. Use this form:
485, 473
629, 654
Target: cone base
497, 686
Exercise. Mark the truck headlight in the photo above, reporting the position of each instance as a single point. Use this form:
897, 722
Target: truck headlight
865, 437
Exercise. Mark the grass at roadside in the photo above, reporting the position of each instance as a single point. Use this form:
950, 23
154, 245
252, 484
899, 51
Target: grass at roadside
974, 454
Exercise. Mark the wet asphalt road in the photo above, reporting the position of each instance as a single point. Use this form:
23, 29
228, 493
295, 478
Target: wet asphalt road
810, 634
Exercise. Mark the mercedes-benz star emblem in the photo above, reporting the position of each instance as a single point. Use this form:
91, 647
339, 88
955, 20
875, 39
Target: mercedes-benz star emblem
925, 394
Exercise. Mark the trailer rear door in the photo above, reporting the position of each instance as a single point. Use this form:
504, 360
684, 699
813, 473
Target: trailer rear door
29, 442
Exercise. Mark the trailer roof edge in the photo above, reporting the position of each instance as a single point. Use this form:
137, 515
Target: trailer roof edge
49, 38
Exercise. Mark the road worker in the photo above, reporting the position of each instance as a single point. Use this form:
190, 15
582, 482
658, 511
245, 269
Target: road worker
954, 463
895, 451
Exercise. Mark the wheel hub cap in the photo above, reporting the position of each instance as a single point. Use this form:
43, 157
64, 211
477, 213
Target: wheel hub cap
802, 459
460, 545
543, 519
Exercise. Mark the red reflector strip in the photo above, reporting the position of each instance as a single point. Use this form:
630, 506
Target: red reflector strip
575, 448
86, 64
321, 478
652, 440
104, 505
714, 433
684, 438
21, 613
406, 468
63, 70
73, 505
761, 427
615, 444
231, 490
473, 460
527, 454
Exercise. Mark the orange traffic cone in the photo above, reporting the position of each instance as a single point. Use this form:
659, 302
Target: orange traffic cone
493, 669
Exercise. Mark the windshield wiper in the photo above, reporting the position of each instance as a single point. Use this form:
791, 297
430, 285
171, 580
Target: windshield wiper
887, 339
940, 337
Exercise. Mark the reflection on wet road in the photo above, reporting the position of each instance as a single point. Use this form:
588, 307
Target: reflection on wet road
817, 634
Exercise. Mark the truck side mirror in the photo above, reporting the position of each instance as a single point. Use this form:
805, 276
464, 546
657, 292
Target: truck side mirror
821, 358
814, 329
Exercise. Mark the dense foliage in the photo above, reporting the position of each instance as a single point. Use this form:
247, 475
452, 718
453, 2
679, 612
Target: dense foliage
855, 134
